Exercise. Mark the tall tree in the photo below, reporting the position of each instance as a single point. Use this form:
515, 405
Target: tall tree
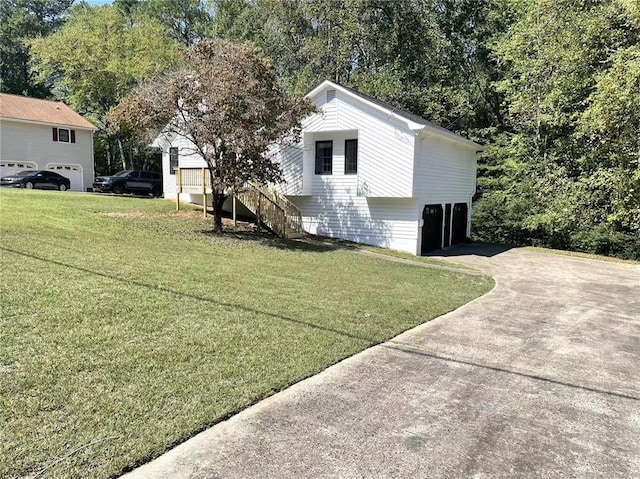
568, 156
96, 58
229, 106
21, 20
186, 21
420, 55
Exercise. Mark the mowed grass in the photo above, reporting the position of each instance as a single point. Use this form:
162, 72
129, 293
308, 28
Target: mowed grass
127, 327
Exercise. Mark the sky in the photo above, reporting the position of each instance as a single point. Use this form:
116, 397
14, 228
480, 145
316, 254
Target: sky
98, 2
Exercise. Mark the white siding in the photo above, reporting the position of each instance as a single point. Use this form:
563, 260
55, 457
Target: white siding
330, 110
385, 150
187, 158
290, 159
445, 173
385, 146
168, 179
376, 206
445, 170
386, 222
333, 207
21, 141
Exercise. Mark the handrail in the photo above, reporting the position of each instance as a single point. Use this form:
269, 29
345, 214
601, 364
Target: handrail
270, 207
192, 177
292, 212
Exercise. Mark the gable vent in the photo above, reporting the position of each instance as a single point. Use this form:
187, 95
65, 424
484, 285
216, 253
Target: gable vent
331, 94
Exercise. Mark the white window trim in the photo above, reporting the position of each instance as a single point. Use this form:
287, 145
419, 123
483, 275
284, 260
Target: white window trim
68, 135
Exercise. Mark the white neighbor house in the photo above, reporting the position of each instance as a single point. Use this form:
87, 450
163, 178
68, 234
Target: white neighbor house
45, 135
367, 172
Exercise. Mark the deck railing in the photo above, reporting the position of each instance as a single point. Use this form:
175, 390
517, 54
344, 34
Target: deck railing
270, 208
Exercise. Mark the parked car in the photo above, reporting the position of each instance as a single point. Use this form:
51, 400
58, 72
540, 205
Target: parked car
130, 181
36, 179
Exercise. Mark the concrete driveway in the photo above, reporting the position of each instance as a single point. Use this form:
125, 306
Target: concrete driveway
538, 378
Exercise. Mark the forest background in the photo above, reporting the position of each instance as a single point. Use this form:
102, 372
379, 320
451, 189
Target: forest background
550, 87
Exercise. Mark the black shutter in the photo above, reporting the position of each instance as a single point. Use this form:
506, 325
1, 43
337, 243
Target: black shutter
73, 136
55, 134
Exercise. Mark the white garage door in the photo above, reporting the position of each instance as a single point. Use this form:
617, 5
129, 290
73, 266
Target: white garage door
8, 168
73, 172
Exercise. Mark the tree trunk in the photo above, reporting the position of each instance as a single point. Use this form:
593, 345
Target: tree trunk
217, 200
122, 157
108, 151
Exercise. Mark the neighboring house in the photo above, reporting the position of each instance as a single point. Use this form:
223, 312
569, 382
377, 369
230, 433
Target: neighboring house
45, 135
367, 172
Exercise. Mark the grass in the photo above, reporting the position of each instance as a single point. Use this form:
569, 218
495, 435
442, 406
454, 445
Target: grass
340, 243
422, 259
579, 254
127, 327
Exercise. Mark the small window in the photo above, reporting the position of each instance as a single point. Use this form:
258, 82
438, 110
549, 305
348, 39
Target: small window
324, 157
350, 157
63, 135
133, 174
145, 175
331, 95
173, 160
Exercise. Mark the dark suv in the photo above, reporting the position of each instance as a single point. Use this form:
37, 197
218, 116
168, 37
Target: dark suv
130, 181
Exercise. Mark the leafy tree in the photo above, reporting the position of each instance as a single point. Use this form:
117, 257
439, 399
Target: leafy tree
21, 20
566, 163
186, 21
228, 104
421, 55
95, 59
611, 129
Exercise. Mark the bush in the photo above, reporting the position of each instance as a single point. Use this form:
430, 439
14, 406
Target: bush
503, 220
601, 240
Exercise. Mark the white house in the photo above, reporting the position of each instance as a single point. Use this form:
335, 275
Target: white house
367, 172
45, 135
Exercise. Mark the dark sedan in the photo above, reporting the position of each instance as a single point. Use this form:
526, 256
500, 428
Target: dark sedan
36, 179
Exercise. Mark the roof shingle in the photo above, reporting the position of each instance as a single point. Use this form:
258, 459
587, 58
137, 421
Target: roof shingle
43, 111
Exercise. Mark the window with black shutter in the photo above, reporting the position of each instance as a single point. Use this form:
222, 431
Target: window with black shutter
351, 157
324, 157
173, 160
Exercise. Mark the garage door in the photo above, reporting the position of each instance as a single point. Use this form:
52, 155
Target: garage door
8, 168
431, 228
460, 218
73, 172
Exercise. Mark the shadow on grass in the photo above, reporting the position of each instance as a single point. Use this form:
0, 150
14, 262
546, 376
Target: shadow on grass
125, 195
308, 243
193, 296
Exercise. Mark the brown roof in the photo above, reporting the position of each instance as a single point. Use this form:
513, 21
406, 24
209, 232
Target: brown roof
42, 111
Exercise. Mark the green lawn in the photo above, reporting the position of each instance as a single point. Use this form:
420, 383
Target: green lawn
127, 327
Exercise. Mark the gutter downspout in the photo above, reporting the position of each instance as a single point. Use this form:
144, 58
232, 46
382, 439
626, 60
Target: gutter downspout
93, 159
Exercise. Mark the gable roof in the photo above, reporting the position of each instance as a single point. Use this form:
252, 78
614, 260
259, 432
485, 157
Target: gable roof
28, 109
414, 122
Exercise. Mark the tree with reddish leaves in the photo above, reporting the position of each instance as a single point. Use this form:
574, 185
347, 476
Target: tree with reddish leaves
227, 103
